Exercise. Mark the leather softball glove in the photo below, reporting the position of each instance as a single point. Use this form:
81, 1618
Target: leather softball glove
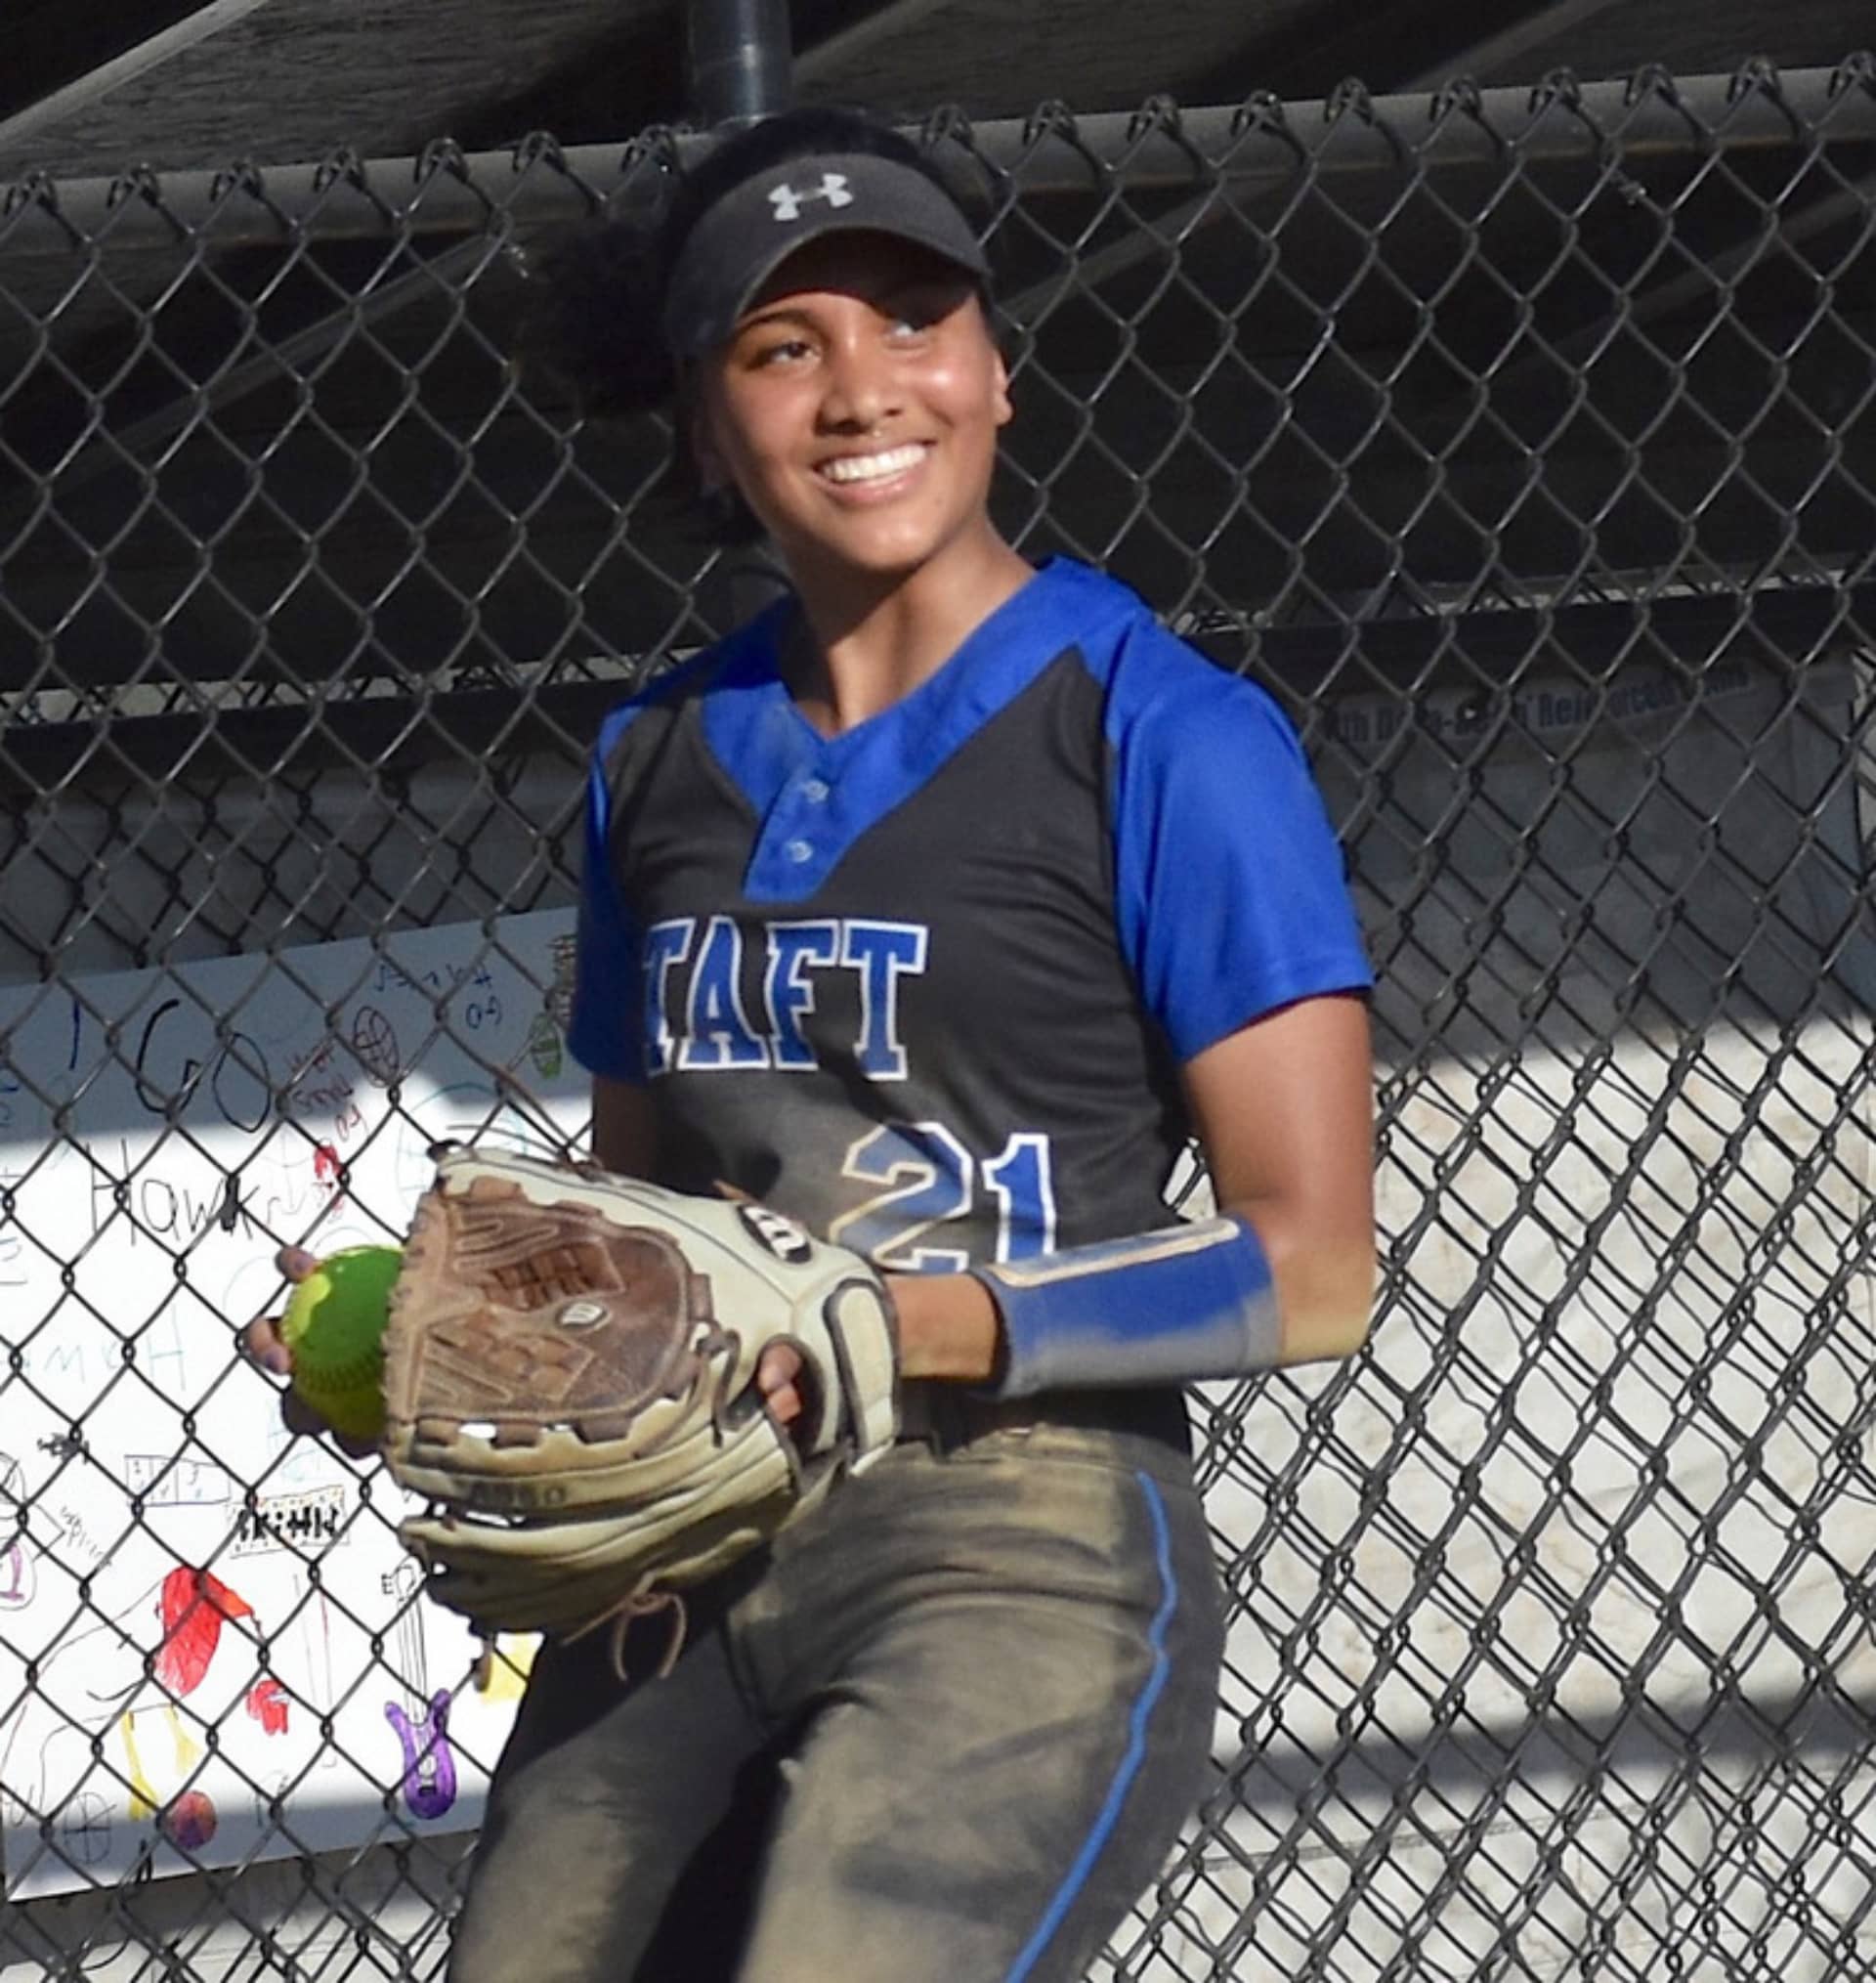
569, 1378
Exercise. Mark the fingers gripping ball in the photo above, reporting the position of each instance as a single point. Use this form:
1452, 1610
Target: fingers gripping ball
334, 1327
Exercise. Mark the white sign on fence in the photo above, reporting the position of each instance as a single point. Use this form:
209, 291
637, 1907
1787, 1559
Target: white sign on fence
210, 1638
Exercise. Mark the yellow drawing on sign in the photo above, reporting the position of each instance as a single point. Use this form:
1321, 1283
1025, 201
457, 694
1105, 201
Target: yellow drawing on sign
501, 1673
144, 1801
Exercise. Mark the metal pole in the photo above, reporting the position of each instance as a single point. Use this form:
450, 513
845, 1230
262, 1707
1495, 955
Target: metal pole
739, 60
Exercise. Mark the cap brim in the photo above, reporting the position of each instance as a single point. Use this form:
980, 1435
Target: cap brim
737, 246
973, 265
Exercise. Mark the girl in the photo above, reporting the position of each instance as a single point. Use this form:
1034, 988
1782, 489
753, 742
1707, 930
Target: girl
936, 906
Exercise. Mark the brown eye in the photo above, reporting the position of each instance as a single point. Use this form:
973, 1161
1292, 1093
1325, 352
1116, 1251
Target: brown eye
782, 351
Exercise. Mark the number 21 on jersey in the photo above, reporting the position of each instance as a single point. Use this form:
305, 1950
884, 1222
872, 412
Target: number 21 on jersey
927, 1179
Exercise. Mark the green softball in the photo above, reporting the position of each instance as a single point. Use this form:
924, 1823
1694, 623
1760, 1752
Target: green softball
334, 1327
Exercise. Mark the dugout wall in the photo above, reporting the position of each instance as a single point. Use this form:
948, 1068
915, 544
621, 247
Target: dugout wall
1525, 442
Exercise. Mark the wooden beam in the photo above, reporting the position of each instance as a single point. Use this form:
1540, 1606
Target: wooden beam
1492, 52
861, 38
89, 89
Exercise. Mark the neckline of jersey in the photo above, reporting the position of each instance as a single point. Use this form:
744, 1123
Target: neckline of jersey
814, 797
998, 655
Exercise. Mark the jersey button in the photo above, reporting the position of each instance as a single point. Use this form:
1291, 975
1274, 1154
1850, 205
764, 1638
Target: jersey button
798, 851
815, 791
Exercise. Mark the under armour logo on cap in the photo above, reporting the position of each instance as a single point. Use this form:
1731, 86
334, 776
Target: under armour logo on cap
788, 202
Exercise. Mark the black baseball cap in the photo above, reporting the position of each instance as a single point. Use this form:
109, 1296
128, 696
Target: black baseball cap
741, 241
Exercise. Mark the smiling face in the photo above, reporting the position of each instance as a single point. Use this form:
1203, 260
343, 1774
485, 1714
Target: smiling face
856, 408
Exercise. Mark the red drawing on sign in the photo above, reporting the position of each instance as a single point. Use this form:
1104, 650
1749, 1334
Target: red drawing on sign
194, 1606
267, 1704
325, 1164
188, 1823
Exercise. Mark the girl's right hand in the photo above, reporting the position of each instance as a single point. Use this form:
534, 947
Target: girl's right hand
262, 1343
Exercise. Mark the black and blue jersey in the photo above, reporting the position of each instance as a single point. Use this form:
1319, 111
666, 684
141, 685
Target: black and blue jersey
926, 985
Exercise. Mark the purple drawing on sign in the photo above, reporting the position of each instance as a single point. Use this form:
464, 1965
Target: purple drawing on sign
16, 1577
429, 1767
17, 1580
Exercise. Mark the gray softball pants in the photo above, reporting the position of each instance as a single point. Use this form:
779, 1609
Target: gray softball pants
947, 1731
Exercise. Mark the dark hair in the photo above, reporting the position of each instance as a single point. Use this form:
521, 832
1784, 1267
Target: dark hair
595, 321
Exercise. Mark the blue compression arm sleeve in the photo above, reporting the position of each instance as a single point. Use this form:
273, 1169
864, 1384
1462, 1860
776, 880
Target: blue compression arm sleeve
1171, 1307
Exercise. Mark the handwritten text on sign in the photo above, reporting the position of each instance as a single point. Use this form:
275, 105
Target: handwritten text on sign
229, 1654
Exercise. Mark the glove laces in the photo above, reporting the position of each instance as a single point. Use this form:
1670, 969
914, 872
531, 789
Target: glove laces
639, 1603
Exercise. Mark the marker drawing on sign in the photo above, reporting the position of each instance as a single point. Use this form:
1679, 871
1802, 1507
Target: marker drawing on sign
267, 1704
310, 1522
316, 1634
84, 1828
17, 1577
184, 1506
50, 1780
120, 1655
20, 1801
501, 1673
429, 1765
166, 1077
421, 1720
172, 1480
195, 1605
187, 1817
146, 1800
375, 1041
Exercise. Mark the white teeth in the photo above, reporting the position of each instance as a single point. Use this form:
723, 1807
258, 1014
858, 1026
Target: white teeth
871, 467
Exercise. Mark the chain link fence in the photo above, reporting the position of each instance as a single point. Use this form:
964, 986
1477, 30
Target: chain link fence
1527, 445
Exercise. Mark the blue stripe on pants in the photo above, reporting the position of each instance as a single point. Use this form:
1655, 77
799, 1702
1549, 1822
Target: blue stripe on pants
1129, 1764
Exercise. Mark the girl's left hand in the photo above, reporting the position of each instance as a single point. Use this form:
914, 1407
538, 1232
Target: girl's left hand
775, 1377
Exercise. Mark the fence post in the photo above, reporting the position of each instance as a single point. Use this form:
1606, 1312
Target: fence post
739, 58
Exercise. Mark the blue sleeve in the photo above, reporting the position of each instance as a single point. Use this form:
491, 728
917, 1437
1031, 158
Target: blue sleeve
606, 1033
1228, 879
